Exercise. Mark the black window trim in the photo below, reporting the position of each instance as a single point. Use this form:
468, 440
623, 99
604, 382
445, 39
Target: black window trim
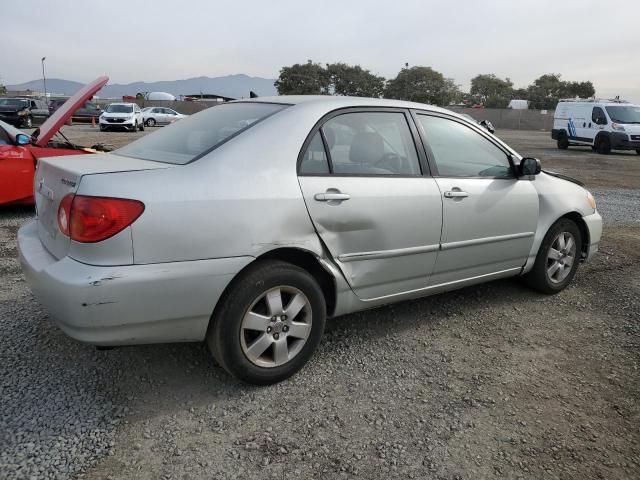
422, 159
431, 158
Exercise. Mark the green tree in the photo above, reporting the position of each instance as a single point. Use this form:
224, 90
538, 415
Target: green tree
424, 85
3, 89
580, 89
354, 81
491, 91
303, 79
546, 90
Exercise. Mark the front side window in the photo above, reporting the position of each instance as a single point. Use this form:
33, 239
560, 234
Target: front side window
459, 151
624, 114
598, 117
13, 102
371, 143
196, 135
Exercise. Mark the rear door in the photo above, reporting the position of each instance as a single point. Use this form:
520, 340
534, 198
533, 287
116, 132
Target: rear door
379, 216
489, 215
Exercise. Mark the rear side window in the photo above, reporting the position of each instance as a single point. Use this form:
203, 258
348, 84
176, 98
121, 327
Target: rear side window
198, 134
371, 143
314, 160
459, 151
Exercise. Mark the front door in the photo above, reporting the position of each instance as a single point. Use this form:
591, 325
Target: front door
377, 214
489, 215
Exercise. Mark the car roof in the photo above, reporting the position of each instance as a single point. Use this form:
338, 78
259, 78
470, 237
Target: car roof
340, 101
122, 103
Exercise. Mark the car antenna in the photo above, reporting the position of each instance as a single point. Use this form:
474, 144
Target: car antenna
252, 94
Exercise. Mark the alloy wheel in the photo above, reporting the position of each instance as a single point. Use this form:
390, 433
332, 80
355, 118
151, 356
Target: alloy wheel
276, 327
561, 256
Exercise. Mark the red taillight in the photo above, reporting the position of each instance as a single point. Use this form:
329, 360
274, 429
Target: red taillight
93, 219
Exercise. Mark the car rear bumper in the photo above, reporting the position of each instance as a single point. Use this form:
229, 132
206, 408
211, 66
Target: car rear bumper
125, 305
594, 225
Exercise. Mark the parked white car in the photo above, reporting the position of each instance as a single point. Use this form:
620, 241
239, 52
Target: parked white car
160, 116
603, 125
122, 115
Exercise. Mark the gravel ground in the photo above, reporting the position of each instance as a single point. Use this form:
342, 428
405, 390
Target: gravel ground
493, 381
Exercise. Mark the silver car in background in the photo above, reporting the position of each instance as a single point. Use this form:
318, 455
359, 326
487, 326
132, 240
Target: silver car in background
248, 224
160, 116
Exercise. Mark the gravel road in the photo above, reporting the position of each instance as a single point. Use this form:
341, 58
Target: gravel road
493, 381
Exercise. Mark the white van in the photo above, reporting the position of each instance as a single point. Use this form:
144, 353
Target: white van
604, 125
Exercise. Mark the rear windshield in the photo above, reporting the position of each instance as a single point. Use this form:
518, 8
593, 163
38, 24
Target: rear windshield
624, 114
120, 109
13, 102
196, 135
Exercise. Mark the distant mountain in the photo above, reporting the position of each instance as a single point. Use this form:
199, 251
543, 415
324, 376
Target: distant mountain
236, 86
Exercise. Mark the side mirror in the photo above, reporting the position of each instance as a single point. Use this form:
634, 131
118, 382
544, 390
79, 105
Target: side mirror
23, 139
530, 166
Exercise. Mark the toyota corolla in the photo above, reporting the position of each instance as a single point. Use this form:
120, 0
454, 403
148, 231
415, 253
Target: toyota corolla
250, 223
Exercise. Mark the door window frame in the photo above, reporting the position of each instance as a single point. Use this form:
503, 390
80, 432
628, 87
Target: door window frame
414, 132
431, 157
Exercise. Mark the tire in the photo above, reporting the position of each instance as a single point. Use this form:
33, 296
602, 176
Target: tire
135, 127
151, 122
552, 254
142, 127
563, 141
231, 336
28, 122
638, 151
603, 146
103, 128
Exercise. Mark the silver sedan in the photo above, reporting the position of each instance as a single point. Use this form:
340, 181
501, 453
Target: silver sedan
250, 223
153, 116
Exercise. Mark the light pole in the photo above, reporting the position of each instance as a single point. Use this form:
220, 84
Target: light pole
44, 81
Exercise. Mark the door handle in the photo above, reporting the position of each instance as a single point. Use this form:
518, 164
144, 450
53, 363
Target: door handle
455, 194
328, 197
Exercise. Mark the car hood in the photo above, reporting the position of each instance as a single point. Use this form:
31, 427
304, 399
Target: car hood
51, 126
11, 109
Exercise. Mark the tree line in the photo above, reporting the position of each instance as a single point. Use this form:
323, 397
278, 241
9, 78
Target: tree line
425, 85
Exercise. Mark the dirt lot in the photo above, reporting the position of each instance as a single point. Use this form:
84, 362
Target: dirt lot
493, 381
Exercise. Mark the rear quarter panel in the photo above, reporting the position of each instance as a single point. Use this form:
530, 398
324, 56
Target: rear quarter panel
243, 199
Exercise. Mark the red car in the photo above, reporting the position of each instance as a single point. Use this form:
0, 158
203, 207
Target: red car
19, 151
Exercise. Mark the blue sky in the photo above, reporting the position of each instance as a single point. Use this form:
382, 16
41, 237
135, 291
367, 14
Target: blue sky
167, 40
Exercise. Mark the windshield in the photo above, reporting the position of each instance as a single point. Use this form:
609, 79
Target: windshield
197, 135
624, 114
13, 102
115, 108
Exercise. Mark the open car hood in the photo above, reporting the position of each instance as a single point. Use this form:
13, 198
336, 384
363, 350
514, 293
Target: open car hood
51, 126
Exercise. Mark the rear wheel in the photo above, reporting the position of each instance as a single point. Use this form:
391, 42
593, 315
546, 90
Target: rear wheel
563, 141
557, 259
269, 323
603, 146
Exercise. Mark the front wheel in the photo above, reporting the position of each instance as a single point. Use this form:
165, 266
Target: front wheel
28, 123
141, 127
269, 323
638, 151
557, 259
135, 127
603, 146
151, 122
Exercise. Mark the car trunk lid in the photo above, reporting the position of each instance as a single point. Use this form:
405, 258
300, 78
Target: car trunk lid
57, 177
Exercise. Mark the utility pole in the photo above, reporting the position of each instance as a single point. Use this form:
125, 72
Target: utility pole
44, 81
406, 81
